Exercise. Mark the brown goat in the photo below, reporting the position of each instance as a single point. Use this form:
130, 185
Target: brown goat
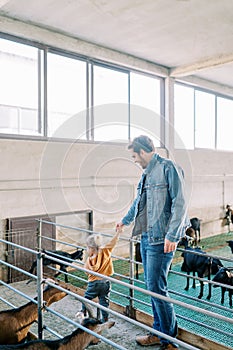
15, 323
78, 340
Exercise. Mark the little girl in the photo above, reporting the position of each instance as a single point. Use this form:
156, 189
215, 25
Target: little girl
99, 260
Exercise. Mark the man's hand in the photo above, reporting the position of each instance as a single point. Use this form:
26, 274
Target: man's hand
119, 227
169, 246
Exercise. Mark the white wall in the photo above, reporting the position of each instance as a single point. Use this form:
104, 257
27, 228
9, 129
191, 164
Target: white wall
210, 187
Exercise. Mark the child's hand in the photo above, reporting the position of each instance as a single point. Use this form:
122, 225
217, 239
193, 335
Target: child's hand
119, 227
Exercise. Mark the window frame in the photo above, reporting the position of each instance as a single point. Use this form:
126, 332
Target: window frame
216, 118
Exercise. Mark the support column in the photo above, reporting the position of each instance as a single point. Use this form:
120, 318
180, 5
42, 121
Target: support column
169, 117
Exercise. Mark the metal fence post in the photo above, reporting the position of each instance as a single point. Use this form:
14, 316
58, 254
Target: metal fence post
39, 283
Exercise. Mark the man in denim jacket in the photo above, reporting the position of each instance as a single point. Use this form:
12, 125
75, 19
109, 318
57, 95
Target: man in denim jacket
159, 215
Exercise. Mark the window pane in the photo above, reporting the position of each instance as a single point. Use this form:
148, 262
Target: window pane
204, 119
225, 124
145, 92
183, 116
110, 101
18, 89
66, 97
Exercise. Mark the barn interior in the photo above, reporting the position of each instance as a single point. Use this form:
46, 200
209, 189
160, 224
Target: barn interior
79, 80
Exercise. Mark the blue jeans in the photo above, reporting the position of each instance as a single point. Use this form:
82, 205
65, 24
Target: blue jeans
100, 289
156, 265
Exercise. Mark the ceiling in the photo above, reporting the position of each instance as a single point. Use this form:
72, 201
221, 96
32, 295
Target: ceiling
190, 37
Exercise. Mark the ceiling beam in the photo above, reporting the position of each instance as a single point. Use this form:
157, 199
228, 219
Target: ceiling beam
196, 67
62, 41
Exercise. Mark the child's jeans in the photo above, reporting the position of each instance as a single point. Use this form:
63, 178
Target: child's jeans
100, 289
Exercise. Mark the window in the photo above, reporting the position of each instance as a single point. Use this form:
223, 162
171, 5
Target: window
225, 124
204, 119
45, 92
110, 95
145, 111
19, 89
183, 116
66, 97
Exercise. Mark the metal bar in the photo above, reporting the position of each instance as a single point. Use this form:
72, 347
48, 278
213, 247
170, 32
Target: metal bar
79, 229
8, 303
39, 284
62, 242
18, 292
17, 269
131, 274
205, 254
202, 301
205, 326
202, 279
50, 330
18, 246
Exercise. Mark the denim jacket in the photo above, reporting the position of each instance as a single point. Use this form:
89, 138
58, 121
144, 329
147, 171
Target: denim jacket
166, 208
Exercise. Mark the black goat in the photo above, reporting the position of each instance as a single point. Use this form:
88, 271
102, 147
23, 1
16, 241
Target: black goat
200, 264
225, 276
196, 225
59, 254
230, 243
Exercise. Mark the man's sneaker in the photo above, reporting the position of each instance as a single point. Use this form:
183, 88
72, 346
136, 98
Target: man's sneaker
147, 340
168, 347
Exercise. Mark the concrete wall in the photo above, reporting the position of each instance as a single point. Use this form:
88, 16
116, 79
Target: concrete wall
211, 188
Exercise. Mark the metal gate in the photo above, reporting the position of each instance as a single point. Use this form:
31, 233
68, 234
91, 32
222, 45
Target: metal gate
23, 231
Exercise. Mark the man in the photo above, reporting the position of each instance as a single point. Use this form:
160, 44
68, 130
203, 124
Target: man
159, 215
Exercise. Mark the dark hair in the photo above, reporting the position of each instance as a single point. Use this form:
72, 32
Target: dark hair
142, 142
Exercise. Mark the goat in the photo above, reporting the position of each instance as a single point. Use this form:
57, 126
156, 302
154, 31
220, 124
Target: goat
200, 264
224, 276
15, 323
196, 225
77, 340
191, 233
230, 243
229, 213
59, 254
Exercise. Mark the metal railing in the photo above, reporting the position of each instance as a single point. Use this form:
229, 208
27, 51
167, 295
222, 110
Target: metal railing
129, 285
